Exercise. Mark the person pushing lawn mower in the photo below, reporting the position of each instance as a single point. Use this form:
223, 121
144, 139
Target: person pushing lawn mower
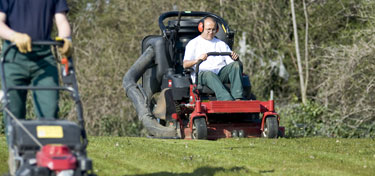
31, 65
23, 21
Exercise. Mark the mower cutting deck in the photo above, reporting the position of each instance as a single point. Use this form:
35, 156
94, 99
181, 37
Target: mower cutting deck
239, 121
171, 106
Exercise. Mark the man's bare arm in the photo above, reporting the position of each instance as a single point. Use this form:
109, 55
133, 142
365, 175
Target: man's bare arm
63, 26
5, 32
22, 41
64, 31
190, 63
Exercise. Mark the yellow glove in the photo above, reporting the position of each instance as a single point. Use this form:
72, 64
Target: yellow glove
22, 41
67, 49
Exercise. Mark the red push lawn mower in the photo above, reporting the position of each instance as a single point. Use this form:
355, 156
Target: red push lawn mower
47, 147
170, 106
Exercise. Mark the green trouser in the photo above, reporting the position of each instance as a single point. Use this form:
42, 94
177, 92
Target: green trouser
37, 68
232, 74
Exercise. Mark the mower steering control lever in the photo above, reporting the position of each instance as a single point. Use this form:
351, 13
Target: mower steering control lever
219, 53
200, 61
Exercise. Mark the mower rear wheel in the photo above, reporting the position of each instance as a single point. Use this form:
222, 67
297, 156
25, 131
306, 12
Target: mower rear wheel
199, 128
271, 128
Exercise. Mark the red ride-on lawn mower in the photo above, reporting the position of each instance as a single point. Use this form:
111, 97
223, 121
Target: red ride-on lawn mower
170, 106
47, 147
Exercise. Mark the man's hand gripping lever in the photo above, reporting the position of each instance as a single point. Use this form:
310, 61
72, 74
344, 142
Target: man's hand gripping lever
22, 41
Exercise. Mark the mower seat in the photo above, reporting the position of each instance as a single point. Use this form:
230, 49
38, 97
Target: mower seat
205, 90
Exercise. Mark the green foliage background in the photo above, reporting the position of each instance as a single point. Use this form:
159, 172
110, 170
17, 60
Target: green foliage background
107, 35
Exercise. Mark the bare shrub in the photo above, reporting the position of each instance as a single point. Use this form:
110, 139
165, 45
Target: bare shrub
347, 88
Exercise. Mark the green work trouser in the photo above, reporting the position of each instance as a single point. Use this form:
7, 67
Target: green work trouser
232, 74
37, 68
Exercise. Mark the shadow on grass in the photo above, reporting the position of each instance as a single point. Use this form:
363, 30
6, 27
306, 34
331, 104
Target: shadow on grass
204, 171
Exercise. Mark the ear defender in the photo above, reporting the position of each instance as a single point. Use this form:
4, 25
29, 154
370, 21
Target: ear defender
201, 25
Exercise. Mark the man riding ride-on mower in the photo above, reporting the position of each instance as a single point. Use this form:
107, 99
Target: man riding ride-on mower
46, 146
215, 70
170, 104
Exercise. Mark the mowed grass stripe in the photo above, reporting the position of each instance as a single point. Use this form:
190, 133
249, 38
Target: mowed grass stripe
103, 153
303, 156
253, 154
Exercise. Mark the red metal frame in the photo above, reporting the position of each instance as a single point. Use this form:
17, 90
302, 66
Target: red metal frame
215, 131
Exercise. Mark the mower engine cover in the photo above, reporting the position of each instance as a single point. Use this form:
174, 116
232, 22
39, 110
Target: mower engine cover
47, 132
56, 157
179, 84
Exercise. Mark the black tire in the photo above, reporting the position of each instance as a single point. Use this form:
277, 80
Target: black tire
271, 128
199, 128
281, 134
234, 134
241, 133
13, 164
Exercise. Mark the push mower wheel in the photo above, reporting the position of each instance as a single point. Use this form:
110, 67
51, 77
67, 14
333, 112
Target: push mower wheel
199, 128
271, 128
12, 162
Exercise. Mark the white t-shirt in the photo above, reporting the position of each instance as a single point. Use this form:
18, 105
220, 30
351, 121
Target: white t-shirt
199, 46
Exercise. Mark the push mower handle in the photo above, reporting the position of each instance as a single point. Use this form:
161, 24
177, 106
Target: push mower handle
34, 43
48, 42
39, 43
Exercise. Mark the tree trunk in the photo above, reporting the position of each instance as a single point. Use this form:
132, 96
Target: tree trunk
300, 72
306, 46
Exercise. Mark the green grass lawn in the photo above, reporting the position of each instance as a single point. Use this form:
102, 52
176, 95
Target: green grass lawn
304, 156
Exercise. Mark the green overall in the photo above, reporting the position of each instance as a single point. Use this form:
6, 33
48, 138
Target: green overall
232, 74
37, 68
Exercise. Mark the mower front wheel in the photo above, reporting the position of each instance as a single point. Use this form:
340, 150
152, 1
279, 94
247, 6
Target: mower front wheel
199, 128
12, 162
271, 128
